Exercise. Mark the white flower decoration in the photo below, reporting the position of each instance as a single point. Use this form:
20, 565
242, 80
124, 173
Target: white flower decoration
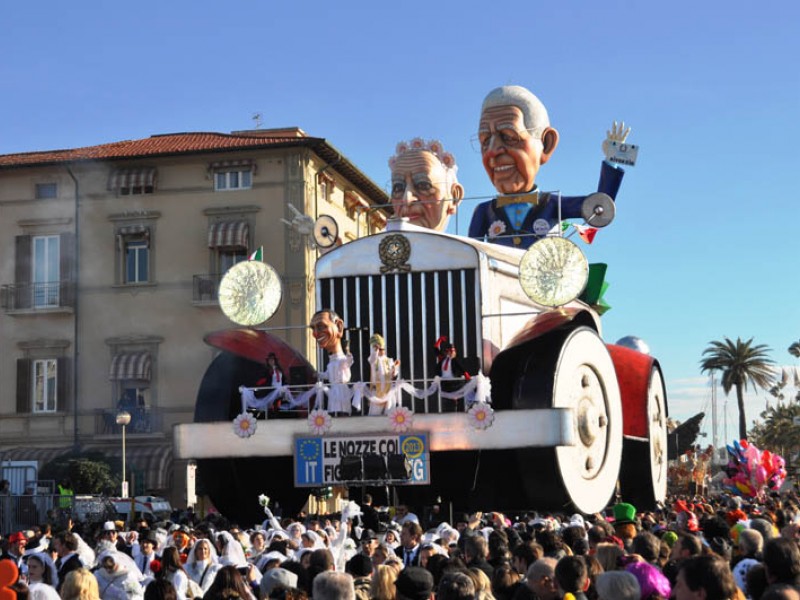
319, 421
263, 500
481, 415
244, 425
401, 419
497, 228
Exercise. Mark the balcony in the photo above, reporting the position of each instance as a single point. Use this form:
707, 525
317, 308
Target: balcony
205, 288
144, 420
29, 298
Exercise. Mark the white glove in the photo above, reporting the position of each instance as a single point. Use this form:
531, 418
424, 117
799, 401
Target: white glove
618, 133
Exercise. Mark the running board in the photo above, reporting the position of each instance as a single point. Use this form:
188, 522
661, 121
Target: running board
530, 428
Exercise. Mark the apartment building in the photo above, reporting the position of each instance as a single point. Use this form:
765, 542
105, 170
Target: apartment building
111, 259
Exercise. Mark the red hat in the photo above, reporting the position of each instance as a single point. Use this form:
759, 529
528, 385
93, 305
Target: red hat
17, 537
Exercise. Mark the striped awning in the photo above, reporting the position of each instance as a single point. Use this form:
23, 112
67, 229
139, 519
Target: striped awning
226, 234
129, 178
242, 163
130, 230
151, 460
130, 365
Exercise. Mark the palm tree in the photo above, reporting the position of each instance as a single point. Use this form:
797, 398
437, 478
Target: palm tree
794, 349
741, 364
776, 431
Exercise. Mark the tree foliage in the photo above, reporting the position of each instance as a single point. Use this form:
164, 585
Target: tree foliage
776, 430
740, 364
88, 473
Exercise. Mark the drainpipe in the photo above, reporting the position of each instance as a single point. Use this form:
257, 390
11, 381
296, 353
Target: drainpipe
76, 272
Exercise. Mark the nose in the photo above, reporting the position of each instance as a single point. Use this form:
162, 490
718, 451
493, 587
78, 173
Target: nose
495, 145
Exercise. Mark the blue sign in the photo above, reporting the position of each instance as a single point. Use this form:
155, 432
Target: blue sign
317, 460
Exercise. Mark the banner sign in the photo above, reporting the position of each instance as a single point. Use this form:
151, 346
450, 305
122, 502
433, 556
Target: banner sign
317, 459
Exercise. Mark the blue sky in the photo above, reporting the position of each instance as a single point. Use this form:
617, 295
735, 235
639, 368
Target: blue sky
703, 245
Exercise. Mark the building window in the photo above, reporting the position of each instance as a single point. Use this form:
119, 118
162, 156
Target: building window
137, 259
326, 186
46, 269
134, 244
43, 272
227, 257
45, 381
41, 385
45, 191
233, 179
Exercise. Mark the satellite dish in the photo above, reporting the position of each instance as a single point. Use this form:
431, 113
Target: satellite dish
326, 231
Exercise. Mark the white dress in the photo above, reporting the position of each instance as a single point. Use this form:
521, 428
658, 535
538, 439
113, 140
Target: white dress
338, 375
381, 372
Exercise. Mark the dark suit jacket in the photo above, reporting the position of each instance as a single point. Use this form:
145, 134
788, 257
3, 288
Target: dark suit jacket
401, 554
488, 212
73, 563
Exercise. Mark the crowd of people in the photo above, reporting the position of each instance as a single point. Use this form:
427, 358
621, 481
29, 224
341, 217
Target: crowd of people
720, 548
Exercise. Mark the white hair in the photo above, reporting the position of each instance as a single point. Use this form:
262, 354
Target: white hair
534, 113
618, 585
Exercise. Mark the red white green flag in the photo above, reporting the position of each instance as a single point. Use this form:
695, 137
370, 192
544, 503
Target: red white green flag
257, 255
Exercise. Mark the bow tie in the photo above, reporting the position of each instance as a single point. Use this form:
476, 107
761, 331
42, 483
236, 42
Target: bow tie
533, 198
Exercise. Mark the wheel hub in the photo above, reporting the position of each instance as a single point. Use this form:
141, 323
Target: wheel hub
591, 421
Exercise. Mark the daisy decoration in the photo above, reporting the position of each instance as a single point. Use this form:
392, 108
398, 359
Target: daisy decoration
497, 228
244, 425
401, 418
319, 421
481, 415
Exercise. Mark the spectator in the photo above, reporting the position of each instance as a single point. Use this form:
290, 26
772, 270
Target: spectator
572, 576
160, 589
541, 579
332, 585
80, 584
382, 586
228, 584
455, 586
782, 561
617, 585
413, 583
360, 568
277, 581
705, 576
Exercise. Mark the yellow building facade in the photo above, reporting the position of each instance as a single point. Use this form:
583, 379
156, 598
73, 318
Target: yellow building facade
111, 259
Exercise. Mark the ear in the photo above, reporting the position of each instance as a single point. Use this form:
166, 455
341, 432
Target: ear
339, 326
456, 193
549, 143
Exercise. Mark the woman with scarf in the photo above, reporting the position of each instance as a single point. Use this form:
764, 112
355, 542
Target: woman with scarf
117, 576
202, 564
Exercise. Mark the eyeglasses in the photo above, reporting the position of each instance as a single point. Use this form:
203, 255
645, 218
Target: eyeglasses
509, 137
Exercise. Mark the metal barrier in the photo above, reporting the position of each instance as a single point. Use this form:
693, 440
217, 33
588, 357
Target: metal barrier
25, 511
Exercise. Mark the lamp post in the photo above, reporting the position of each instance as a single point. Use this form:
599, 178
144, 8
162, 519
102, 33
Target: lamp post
123, 418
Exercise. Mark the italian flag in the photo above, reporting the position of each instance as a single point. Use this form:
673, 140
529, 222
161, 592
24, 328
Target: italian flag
257, 255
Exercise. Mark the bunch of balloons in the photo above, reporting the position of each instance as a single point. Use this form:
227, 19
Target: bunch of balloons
752, 471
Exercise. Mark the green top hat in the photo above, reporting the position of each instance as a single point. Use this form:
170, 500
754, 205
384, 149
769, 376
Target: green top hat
624, 513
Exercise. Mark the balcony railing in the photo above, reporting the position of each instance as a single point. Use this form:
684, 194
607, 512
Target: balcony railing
145, 419
38, 295
204, 288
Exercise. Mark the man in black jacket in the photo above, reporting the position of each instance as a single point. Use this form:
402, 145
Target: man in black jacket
66, 545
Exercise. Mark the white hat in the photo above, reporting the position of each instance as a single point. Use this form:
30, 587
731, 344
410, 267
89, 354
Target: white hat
109, 526
577, 520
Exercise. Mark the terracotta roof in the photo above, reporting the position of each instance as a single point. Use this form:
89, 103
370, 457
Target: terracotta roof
193, 143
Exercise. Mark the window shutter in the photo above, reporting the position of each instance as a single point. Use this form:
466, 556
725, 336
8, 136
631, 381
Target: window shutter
67, 266
62, 378
23, 385
22, 272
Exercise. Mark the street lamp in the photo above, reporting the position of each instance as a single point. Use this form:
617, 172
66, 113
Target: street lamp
123, 418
